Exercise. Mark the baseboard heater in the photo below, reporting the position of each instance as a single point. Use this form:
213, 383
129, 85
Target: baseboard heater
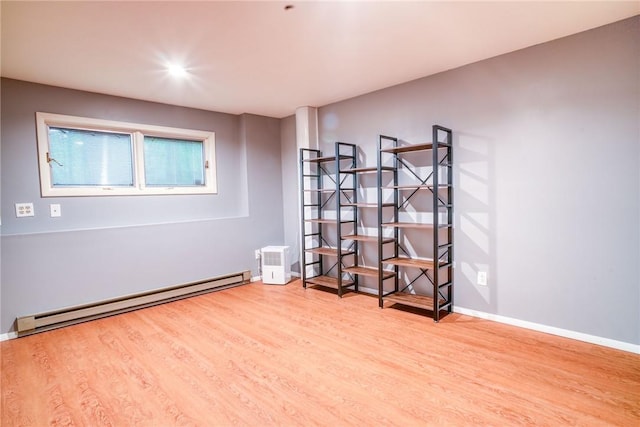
35, 323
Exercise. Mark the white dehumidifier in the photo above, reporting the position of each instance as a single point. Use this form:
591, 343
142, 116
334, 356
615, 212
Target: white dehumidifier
276, 265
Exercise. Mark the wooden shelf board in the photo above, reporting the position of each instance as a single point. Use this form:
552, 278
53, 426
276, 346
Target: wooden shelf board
412, 300
367, 271
407, 225
365, 238
328, 282
362, 169
360, 237
323, 251
411, 262
368, 169
408, 148
325, 159
367, 205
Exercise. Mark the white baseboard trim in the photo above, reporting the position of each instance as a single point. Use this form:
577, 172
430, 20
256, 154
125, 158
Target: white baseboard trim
8, 336
592, 339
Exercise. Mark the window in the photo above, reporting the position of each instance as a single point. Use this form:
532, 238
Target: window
169, 161
90, 157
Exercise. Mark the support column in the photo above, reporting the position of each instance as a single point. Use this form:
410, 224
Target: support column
307, 127
306, 137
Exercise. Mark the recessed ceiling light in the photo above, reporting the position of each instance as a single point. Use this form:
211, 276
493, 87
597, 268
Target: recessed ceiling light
177, 70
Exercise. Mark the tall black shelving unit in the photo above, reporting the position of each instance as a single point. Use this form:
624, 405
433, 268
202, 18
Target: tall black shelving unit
427, 181
323, 186
360, 236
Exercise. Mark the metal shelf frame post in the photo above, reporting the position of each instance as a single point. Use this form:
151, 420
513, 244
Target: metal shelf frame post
444, 165
381, 242
349, 194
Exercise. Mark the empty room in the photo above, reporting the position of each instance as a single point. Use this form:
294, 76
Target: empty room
258, 213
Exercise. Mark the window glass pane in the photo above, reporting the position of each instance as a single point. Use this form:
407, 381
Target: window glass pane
173, 162
90, 158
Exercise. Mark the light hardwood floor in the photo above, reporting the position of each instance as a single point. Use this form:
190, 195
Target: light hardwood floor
280, 355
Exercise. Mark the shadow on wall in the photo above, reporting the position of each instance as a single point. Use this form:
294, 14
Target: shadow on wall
475, 232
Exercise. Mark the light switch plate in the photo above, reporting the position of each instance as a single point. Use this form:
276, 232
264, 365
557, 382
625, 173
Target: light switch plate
55, 210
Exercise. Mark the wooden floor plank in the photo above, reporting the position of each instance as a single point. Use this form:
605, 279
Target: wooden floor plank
283, 355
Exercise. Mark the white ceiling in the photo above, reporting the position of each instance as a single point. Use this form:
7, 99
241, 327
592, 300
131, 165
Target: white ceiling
257, 57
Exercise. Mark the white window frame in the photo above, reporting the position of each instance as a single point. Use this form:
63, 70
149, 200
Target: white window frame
137, 132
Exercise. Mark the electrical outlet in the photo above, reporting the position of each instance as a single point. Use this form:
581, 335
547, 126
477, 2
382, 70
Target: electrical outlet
55, 210
481, 280
24, 209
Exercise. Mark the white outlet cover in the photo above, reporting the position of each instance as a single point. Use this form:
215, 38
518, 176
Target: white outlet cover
481, 280
24, 209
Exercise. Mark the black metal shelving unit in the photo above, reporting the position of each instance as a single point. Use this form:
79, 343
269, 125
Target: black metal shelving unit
427, 182
360, 236
323, 186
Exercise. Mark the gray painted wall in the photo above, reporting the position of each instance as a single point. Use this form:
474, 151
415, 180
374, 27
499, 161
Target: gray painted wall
547, 149
105, 247
20, 102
